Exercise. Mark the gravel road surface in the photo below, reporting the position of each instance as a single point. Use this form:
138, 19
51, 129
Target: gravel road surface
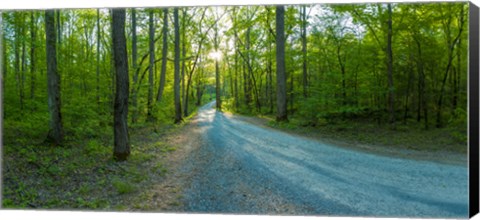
245, 169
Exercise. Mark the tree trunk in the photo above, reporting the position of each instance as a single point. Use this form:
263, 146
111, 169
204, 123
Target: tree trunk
23, 65
281, 79
422, 102
391, 88
55, 135
135, 66
33, 38
151, 48
342, 69
59, 28
176, 82
99, 31
456, 78
121, 139
184, 53
164, 55
246, 77
304, 49
16, 63
407, 95
235, 81
218, 99
3, 70
451, 49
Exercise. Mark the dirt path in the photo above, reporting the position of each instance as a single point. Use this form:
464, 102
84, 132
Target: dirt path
226, 165
444, 157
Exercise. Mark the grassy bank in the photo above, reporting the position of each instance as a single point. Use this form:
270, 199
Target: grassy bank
82, 174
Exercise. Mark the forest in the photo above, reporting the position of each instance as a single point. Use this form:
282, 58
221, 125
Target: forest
87, 87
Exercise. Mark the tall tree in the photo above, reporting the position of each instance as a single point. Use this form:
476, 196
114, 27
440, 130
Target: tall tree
134, 64
281, 76
55, 134
391, 88
121, 139
218, 99
303, 33
164, 54
33, 38
452, 44
98, 58
2, 70
176, 81
151, 48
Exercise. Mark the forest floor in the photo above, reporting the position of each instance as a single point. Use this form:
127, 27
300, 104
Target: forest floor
81, 174
187, 168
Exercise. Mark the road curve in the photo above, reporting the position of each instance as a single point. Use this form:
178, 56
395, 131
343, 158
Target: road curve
246, 169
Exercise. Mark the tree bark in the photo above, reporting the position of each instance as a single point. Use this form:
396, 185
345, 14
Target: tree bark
23, 65
456, 77
281, 78
98, 59
55, 135
184, 53
176, 81
151, 47
33, 38
121, 138
164, 55
391, 88
218, 99
422, 101
135, 66
304, 50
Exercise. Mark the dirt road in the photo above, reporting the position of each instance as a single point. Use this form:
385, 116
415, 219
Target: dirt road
243, 168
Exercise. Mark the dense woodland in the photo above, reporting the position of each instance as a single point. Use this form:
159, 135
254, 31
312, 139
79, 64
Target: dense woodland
394, 63
79, 81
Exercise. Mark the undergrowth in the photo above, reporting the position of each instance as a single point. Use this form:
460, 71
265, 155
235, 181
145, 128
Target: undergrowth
81, 173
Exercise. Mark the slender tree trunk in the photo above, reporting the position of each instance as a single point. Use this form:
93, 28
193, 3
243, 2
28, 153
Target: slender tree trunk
99, 31
33, 38
59, 27
17, 46
439, 122
176, 82
422, 101
151, 47
121, 137
217, 74
391, 88
456, 78
270, 73
281, 79
235, 81
407, 95
24, 65
184, 52
199, 84
304, 50
291, 99
135, 66
164, 55
3, 70
55, 135
189, 82
342, 70
246, 82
